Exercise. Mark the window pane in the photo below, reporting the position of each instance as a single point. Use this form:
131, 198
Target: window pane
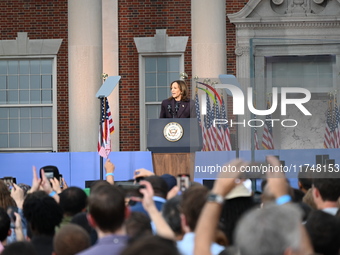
13, 125
36, 125
150, 94
47, 125
3, 125
3, 98
24, 67
13, 141
13, 97
47, 112
24, 82
3, 113
35, 67
25, 112
46, 66
150, 64
24, 96
13, 67
173, 64
150, 80
162, 94
3, 80
173, 77
3, 141
35, 97
25, 125
46, 140
25, 140
46, 96
36, 140
35, 82
36, 112
161, 79
13, 82
46, 81
3, 67
162, 65
14, 113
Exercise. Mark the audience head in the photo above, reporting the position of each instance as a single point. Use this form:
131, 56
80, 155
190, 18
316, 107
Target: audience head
5, 196
42, 212
326, 189
193, 200
152, 245
19, 248
5, 224
80, 219
271, 230
107, 208
305, 179
170, 180
159, 186
171, 214
70, 240
138, 225
308, 199
324, 232
73, 200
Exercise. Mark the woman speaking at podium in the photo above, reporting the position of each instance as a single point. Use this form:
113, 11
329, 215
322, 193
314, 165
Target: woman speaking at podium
179, 105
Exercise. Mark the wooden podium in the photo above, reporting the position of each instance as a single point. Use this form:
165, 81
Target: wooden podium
173, 143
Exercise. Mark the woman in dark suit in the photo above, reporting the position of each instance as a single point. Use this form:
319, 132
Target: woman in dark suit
179, 105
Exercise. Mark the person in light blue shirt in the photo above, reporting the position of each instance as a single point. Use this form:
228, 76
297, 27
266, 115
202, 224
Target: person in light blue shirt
193, 200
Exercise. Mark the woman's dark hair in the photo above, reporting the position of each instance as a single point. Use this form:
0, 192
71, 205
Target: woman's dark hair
183, 88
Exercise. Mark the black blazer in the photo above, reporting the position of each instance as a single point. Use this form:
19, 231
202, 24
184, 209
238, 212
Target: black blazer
186, 109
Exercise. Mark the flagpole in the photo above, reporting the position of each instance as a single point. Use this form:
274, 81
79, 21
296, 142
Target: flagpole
101, 160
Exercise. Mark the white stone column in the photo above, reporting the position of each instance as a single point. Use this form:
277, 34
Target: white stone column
111, 60
85, 70
208, 26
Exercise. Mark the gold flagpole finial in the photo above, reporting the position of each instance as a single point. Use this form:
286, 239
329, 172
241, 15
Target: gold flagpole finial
104, 76
183, 75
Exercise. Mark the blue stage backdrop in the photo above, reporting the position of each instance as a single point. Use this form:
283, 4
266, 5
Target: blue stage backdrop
76, 167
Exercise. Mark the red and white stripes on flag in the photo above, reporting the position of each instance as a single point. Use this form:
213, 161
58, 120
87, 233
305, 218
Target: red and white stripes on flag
332, 130
106, 128
267, 138
215, 138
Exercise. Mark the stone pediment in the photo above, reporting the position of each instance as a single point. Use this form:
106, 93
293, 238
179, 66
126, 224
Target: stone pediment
278, 11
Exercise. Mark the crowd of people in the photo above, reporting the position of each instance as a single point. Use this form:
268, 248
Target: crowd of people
153, 216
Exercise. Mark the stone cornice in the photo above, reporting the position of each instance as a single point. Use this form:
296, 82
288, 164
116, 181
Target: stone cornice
275, 24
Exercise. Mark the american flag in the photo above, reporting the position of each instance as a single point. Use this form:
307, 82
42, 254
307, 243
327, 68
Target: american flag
267, 138
106, 128
328, 138
336, 119
198, 113
218, 130
208, 144
211, 130
337, 125
227, 143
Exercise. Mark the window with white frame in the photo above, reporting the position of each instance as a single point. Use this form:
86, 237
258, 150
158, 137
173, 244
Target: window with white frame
158, 72
26, 104
161, 60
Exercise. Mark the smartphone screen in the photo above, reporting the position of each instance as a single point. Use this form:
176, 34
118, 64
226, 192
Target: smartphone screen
183, 182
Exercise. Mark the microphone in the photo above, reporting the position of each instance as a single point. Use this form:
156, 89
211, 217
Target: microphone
176, 107
169, 108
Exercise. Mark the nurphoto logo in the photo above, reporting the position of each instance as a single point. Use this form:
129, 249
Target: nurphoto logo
238, 106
